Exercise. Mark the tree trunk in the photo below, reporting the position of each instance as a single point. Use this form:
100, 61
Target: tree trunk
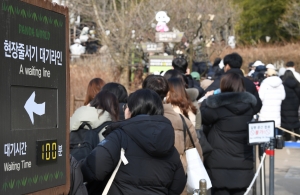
124, 76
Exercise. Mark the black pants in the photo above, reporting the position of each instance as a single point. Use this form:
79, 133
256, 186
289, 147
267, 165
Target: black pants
226, 191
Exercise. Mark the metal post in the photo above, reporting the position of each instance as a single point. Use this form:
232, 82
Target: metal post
202, 184
271, 178
254, 159
263, 171
254, 169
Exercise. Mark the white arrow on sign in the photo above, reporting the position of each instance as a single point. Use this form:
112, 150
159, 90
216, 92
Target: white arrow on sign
32, 107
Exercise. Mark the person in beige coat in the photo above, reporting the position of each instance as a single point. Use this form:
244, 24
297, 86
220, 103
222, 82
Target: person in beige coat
97, 113
179, 99
159, 84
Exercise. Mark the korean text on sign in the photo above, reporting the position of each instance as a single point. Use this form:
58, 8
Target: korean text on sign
33, 53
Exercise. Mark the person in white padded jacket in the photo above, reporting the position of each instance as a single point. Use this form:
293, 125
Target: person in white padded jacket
271, 93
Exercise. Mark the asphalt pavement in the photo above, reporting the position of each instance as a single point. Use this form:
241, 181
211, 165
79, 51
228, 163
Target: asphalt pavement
286, 172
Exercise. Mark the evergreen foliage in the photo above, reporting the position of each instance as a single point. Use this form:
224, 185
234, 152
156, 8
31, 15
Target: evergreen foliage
260, 18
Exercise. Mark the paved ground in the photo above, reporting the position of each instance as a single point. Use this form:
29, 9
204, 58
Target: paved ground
287, 172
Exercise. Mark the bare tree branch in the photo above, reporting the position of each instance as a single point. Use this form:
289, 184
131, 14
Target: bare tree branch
122, 17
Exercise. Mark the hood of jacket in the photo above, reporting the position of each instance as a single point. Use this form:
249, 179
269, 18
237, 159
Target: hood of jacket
291, 83
192, 93
236, 102
90, 115
273, 81
153, 133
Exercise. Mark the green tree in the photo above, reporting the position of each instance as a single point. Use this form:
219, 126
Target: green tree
260, 18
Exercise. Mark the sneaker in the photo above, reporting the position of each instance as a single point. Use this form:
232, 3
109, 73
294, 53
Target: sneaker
298, 141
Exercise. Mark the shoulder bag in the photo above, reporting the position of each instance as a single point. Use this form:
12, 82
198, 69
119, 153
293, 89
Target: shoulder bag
205, 145
195, 168
112, 177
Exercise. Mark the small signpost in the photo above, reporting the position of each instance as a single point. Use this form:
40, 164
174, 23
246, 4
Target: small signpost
168, 36
34, 87
153, 47
263, 133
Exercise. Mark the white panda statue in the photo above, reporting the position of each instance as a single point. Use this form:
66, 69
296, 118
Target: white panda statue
231, 41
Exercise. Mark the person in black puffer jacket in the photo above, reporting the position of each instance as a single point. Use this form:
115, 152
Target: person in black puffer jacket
290, 105
230, 164
154, 166
233, 62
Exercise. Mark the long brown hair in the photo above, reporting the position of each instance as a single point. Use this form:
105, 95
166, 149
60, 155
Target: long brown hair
107, 101
94, 86
232, 82
177, 96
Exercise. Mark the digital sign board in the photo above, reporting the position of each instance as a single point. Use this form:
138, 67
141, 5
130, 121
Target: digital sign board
33, 87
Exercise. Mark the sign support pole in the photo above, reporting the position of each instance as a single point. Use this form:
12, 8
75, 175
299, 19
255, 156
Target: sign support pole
271, 178
262, 173
255, 148
263, 133
254, 169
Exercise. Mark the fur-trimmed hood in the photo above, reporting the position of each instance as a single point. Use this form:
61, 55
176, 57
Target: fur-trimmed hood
237, 102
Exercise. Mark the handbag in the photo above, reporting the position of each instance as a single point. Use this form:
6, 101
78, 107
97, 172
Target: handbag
112, 177
195, 168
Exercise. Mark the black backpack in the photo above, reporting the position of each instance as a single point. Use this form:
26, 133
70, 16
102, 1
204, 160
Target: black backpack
83, 141
77, 186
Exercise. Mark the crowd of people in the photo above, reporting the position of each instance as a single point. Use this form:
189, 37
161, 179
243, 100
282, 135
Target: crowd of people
143, 150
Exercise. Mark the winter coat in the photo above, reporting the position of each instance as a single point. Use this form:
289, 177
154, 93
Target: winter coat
154, 165
177, 124
296, 74
192, 116
249, 86
205, 83
213, 72
90, 115
230, 164
271, 94
290, 105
